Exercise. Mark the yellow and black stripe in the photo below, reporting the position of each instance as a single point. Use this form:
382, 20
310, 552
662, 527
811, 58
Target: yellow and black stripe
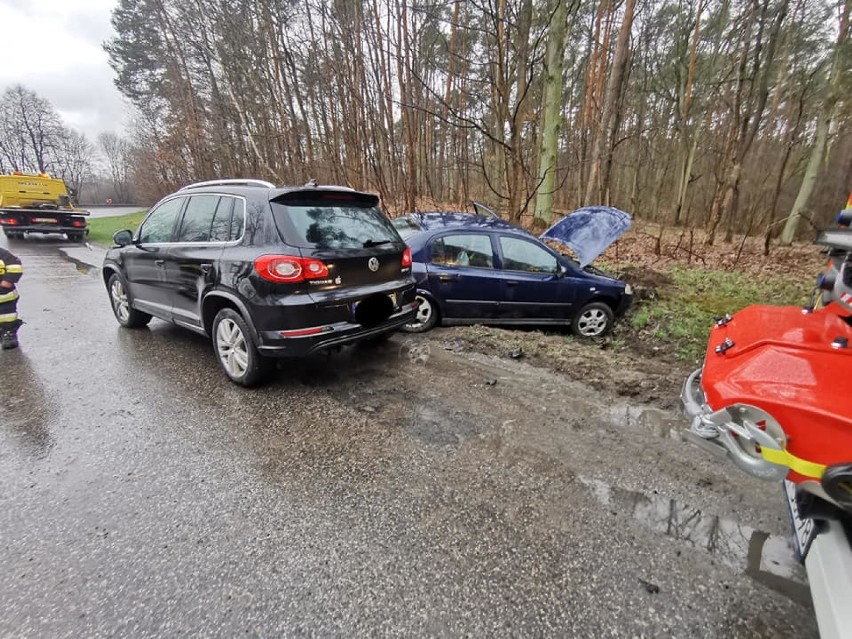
11, 270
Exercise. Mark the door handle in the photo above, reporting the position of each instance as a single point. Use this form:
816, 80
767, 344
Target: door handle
206, 267
446, 278
159, 262
512, 282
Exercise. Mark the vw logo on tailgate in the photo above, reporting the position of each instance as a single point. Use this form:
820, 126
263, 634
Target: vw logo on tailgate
373, 264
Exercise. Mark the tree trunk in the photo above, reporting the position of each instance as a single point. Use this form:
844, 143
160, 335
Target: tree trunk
552, 117
603, 149
809, 181
832, 94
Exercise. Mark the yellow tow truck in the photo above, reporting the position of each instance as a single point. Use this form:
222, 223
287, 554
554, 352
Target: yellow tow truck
38, 203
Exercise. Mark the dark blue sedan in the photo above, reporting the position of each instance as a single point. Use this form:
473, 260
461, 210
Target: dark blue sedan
475, 268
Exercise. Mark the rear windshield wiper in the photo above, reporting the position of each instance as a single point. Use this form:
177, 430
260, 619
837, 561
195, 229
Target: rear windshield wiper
372, 243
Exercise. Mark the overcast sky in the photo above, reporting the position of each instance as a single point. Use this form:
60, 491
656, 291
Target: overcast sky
54, 48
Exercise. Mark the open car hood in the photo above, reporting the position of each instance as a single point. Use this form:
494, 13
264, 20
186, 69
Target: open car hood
589, 231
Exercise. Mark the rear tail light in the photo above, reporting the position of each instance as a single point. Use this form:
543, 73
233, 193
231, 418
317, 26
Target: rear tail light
288, 269
78, 223
8, 220
406, 257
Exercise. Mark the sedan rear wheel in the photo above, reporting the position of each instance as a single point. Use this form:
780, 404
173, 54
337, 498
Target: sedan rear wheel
425, 318
235, 348
593, 320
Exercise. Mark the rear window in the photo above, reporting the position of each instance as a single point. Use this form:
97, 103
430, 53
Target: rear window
406, 227
332, 223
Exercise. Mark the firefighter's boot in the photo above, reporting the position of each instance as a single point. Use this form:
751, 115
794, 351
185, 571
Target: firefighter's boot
9, 335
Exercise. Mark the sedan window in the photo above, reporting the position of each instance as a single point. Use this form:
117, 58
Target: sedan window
520, 255
406, 227
160, 224
463, 250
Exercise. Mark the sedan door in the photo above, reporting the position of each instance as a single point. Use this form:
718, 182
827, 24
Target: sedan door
461, 274
144, 261
532, 284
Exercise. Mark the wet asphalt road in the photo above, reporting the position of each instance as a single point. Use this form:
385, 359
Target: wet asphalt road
381, 491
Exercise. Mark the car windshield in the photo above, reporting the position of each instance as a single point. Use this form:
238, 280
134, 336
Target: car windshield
333, 225
406, 227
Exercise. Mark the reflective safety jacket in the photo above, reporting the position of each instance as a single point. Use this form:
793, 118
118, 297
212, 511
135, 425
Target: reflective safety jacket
10, 270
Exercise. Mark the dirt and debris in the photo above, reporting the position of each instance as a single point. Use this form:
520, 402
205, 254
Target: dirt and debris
636, 370
649, 587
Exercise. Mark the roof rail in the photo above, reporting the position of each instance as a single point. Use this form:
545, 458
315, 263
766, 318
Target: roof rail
236, 182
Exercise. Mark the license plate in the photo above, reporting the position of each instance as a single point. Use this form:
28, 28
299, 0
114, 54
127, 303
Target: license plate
45, 220
804, 530
392, 296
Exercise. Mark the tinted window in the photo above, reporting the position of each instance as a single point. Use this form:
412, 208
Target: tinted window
198, 218
160, 225
325, 225
220, 230
463, 250
238, 219
520, 255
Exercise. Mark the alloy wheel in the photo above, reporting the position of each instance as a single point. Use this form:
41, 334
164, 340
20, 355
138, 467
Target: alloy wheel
232, 348
424, 313
592, 322
119, 301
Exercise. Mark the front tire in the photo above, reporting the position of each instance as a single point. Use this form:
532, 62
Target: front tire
593, 320
126, 315
236, 351
426, 316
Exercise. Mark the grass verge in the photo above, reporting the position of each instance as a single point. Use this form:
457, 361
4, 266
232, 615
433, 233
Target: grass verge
680, 314
101, 229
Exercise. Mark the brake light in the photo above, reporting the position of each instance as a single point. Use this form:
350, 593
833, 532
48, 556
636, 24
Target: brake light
406, 257
78, 223
288, 269
8, 220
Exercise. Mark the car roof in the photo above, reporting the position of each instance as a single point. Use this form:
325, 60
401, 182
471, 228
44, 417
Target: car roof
269, 190
440, 220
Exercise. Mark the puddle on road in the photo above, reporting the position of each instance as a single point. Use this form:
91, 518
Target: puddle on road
768, 559
442, 426
659, 423
81, 267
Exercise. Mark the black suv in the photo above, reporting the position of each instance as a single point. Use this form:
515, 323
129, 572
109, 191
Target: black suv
265, 271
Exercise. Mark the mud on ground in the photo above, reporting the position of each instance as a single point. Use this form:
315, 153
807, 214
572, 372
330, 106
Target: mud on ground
643, 372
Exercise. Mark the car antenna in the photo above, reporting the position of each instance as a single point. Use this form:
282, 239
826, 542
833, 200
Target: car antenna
311, 182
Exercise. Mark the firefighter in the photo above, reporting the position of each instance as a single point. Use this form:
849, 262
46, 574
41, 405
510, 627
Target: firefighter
10, 272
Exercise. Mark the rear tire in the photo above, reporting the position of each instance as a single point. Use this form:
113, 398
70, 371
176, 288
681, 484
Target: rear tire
593, 320
236, 351
426, 316
126, 315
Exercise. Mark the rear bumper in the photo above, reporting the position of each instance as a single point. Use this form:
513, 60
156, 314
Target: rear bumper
829, 565
301, 342
44, 228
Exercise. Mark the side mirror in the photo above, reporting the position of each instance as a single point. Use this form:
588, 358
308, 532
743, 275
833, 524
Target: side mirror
561, 271
122, 238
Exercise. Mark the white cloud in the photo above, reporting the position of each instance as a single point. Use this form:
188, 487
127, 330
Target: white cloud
54, 47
